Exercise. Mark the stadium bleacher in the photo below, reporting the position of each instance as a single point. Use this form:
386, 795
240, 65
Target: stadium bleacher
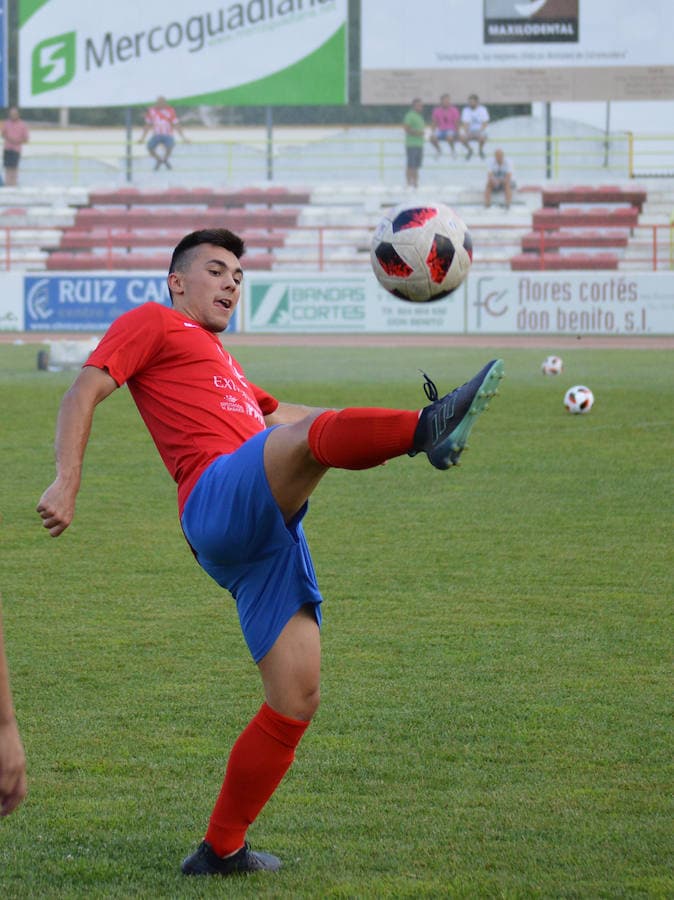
330, 226
557, 261
603, 193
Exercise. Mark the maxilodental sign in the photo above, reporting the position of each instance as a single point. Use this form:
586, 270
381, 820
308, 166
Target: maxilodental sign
256, 52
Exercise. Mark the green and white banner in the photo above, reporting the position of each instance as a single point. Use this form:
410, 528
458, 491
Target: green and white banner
258, 52
572, 303
317, 303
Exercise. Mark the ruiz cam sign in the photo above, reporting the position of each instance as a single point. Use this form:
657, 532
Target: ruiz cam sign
88, 302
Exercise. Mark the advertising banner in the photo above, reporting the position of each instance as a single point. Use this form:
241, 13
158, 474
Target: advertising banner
62, 303
258, 52
507, 303
304, 303
11, 301
571, 303
516, 51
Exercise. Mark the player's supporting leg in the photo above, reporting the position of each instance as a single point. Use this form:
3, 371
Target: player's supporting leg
263, 752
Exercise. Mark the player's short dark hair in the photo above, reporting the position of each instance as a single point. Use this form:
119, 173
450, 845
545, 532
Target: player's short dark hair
219, 237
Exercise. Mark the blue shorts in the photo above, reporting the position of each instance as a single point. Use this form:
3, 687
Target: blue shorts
166, 139
238, 535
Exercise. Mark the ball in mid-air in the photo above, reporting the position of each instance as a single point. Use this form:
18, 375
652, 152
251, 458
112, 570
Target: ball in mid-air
552, 365
578, 399
421, 252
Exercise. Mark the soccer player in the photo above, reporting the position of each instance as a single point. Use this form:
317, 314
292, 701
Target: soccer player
245, 464
12, 757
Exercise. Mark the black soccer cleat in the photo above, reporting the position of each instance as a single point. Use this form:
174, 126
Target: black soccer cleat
205, 861
445, 424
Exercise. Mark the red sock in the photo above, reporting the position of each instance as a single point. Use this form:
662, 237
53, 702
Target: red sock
360, 438
259, 759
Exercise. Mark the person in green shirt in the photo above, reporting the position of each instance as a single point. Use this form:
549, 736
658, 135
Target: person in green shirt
415, 130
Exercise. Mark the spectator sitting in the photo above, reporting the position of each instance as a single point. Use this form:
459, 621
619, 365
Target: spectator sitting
474, 121
162, 120
445, 119
499, 178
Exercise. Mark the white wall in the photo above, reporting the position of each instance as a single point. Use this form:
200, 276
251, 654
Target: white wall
647, 117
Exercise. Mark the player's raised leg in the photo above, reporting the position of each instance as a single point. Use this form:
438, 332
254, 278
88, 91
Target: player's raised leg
445, 424
298, 455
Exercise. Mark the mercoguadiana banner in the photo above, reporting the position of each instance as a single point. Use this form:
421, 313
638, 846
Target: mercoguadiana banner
258, 52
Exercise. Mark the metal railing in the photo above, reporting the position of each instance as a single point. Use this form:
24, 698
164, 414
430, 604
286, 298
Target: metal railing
649, 248
316, 156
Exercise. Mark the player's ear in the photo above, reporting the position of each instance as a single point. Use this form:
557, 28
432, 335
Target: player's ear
175, 282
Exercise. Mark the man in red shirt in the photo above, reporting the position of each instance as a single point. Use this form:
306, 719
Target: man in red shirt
245, 464
15, 134
445, 119
162, 120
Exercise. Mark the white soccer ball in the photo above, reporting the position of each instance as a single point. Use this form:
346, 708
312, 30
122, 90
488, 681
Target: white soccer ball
421, 252
552, 365
578, 399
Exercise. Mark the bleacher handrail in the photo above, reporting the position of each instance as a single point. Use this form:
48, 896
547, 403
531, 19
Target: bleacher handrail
320, 247
236, 157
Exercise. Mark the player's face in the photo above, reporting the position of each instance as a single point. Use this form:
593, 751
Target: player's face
208, 288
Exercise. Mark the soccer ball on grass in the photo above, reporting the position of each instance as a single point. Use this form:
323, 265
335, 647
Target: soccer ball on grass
552, 365
421, 252
578, 399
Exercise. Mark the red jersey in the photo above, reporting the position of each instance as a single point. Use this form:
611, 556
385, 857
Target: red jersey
163, 119
191, 393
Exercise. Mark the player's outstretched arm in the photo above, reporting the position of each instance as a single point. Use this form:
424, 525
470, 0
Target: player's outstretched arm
57, 505
12, 757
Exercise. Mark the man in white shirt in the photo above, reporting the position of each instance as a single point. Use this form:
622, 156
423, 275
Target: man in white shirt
474, 121
499, 178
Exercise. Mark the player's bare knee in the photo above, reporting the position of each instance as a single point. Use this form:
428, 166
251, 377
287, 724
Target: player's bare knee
308, 704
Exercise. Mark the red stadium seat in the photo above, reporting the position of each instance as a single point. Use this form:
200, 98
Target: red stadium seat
532, 262
574, 237
553, 218
62, 260
604, 193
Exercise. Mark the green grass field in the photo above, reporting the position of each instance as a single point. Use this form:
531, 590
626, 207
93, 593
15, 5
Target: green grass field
496, 716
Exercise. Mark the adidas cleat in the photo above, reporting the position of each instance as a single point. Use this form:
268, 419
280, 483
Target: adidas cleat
444, 425
204, 861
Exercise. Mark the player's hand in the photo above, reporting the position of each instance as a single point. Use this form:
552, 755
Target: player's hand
56, 509
12, 768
